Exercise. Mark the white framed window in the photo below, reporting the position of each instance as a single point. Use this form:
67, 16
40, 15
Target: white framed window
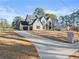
38, 27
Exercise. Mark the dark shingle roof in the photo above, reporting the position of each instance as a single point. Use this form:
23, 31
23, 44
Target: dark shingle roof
24, 22
32, 18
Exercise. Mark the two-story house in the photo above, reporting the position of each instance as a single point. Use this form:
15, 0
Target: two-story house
36, 23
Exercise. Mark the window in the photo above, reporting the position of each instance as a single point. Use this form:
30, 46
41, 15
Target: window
38, 27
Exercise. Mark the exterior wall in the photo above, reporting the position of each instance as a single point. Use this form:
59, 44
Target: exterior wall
43, 20
36, 24
21, 27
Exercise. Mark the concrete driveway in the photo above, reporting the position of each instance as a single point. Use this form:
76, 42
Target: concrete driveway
50, 49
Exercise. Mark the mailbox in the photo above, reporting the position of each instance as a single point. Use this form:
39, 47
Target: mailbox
70, 37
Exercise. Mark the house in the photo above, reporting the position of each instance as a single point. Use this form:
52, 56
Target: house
36, 23
41, 23
23, 25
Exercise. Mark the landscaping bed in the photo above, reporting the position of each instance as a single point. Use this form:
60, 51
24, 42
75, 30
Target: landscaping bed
13, 46
55, 35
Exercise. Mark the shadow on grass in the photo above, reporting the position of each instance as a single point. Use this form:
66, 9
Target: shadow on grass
60, 39
56, 38
3, 36
18, 51
10, 33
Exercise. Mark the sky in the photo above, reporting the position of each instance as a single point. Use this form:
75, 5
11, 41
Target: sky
11, 8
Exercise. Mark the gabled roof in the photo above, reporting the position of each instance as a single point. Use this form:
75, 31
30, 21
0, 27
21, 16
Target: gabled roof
47, 18
40, 17
32, 18
24, 22
35, 20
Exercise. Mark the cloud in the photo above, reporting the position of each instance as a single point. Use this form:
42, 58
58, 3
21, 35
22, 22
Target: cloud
60, 12
8, 13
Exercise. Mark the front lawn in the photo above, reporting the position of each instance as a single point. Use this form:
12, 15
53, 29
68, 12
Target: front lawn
55, 35
13, 46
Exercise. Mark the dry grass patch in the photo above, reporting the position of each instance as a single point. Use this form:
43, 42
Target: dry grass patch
55, 35
13, 46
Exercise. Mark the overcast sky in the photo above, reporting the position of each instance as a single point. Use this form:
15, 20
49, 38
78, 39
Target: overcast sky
12, 8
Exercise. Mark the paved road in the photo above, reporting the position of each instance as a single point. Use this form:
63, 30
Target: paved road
50, 49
